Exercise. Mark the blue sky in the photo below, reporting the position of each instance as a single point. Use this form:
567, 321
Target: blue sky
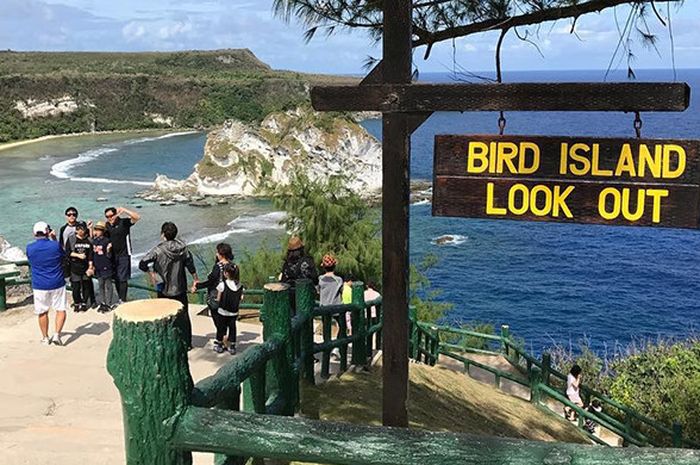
138, 25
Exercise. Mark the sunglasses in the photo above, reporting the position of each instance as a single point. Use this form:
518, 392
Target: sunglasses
71, 214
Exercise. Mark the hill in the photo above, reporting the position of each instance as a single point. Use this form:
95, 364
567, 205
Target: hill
440, 400
57, 93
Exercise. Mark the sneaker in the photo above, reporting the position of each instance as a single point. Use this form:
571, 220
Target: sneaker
95, 306
102, 308
218, 347
45, 341
76, 307
84, 307
56, 339
232, 349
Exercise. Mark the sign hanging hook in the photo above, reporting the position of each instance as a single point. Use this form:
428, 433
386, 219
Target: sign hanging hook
638, 124
501, 123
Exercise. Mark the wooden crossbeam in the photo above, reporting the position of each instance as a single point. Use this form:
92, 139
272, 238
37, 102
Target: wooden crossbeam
398, 98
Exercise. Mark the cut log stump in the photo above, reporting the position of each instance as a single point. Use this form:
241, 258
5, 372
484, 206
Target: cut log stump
148, 362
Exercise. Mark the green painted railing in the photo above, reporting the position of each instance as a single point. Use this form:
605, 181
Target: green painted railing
164, 425
428, 344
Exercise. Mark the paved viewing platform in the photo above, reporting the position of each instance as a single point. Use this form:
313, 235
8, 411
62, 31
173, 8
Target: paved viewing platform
59, 406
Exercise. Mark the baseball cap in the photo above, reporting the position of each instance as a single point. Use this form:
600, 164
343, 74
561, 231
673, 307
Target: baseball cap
41, 227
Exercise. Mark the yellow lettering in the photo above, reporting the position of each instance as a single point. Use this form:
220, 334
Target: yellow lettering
596, 171
626, 162
603, 201
585, 166
646, 161
493, 146
656, 194
506, 152
477, 161
523, 202
680, 164
547, 206
491, 209
560, 201
641, 196
526, 147
563, 155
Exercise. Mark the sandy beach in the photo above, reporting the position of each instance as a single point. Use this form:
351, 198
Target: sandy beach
19, 143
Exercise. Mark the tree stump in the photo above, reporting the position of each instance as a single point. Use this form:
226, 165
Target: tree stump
148, 362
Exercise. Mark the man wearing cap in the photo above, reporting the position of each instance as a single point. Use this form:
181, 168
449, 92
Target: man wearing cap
46, 261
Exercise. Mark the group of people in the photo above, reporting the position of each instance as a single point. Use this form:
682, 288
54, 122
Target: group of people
76, 253
81, 251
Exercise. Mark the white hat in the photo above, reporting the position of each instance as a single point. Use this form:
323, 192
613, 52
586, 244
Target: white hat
41, 227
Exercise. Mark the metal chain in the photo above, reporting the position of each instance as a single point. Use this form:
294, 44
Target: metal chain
638, 124
501, 124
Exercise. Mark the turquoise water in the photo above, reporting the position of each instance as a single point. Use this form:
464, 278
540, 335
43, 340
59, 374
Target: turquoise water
550, 282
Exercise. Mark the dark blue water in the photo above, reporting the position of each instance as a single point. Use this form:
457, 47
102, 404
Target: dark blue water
555, 283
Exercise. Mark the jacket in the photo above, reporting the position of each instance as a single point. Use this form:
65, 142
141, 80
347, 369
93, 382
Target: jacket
170, 259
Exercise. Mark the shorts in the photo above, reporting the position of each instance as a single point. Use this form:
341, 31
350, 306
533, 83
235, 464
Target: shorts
55, 299
122, 265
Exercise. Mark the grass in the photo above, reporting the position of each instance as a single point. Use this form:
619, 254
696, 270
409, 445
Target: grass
439, 400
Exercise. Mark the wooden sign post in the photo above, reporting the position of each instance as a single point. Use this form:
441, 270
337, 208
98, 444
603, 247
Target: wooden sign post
405, 106
635, 182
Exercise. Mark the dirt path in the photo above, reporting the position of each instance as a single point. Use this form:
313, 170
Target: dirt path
58, 405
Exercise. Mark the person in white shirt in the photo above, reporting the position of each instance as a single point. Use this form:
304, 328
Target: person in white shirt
573, 382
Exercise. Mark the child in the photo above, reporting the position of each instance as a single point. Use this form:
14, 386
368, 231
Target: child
104, 268
79, 251
593, 408
229, 298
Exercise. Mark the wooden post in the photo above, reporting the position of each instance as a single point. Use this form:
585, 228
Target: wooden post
305, 306
148, 362
396, 151
275, 316
546, 368
359, 325
535, 380
3, 295
505, 338
677, 435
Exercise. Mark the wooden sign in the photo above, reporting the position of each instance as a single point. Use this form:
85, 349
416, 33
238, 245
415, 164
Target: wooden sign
633, 182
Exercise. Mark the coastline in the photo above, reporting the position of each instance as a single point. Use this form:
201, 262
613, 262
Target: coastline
20, 143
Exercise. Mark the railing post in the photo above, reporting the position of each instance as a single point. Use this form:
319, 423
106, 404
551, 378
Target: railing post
535, 380
305, 308
414, 336
359, 325
677, 435
147, 359
505, 336
3, 295
275, 316
546, 368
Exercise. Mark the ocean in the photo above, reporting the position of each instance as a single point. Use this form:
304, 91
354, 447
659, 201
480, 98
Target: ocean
552, 283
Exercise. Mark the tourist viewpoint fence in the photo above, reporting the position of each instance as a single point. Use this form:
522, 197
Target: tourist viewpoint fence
247, 408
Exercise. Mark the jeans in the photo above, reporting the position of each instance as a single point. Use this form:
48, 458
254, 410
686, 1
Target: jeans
82, 289
106, 288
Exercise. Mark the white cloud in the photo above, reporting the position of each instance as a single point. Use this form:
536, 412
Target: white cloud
133, 31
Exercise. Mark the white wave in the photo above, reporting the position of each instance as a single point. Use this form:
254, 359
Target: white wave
61, 169
218, 237
245, 225
449, 239
141, 140
112, 181
260, 222
422, 202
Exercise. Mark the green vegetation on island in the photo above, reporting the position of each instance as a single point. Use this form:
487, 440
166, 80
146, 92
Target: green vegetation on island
59, 93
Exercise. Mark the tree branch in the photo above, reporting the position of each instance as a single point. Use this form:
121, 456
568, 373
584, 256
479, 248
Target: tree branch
528, 19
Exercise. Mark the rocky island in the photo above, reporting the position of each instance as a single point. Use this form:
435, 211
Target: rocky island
243, 159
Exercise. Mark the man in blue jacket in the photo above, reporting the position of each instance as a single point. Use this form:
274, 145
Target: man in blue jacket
46, 262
